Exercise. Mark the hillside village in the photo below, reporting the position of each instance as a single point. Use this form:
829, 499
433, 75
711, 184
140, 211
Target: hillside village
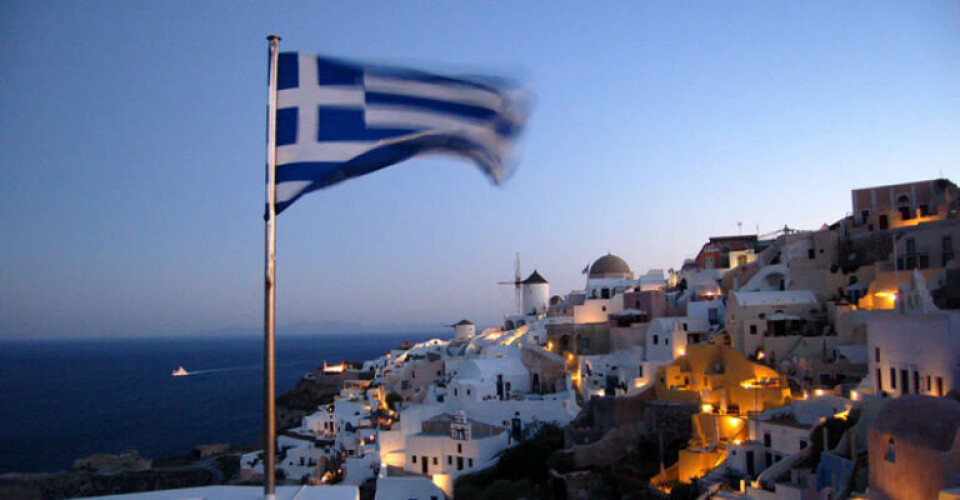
803, 364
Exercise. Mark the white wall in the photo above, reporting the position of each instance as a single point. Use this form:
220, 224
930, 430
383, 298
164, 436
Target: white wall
407, 488
925, 344
560, 408
446, 450
536, 297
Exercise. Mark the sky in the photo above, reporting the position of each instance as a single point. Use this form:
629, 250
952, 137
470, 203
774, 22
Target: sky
132, 150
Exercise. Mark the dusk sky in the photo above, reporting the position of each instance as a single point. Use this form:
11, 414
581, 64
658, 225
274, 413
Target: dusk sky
132, 150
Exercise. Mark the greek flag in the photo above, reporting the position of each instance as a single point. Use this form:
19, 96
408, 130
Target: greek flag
337, 120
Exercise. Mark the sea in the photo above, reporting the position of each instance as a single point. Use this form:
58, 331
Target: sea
66, 399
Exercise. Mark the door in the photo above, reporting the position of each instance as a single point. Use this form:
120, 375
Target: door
883, 222
423, 465
459, 463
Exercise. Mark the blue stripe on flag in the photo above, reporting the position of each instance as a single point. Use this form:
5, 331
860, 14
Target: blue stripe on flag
326, 174
344, 124
333, 72
286, 126
446, 107
288, 71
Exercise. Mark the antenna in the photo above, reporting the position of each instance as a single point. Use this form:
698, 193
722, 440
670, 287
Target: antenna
517, 282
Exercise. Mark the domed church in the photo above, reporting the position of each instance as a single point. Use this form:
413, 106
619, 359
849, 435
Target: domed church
608, 276
610, 267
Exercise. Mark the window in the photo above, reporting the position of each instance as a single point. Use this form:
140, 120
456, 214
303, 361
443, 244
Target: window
812, 253
916, 382
924, 209
893, 378
864, 216
911, 246
459, 448
803, 444
666, 341
906, 213
449, 459
766, 439
684, 327
470, 462
879, 380
414, 459
640, 374
656, 339
753, 329
929, 385
947, 249
434, 460
876, 354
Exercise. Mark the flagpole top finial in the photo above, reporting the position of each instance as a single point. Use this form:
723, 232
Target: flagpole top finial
274, 37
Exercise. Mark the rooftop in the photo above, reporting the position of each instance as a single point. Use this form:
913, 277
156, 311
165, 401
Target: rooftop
775, 298
246, 493
927, 421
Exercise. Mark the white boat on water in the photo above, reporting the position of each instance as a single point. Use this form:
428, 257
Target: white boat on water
180, 371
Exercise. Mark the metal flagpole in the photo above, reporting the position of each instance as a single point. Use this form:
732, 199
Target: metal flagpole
269, 290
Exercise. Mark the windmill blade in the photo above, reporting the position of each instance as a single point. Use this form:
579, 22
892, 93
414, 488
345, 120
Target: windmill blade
517, 293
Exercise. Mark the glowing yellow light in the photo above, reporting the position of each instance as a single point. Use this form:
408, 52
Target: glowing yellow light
819, 392
549, 345
334, 368
842, 415
737, 442
706, 408
854, 395
681, 352
761, 355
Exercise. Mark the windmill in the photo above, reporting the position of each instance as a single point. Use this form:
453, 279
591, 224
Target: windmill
517, 282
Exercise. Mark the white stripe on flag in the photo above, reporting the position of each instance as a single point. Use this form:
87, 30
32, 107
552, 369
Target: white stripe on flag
287, 191
314, 151
327, 95
430, 122
438, 91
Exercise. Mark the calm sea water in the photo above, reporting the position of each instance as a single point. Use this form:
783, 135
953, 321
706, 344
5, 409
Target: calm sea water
67, 399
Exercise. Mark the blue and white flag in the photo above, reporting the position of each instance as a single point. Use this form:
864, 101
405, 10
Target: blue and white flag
337, 120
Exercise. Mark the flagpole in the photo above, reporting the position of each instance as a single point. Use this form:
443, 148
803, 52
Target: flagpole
269, 292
